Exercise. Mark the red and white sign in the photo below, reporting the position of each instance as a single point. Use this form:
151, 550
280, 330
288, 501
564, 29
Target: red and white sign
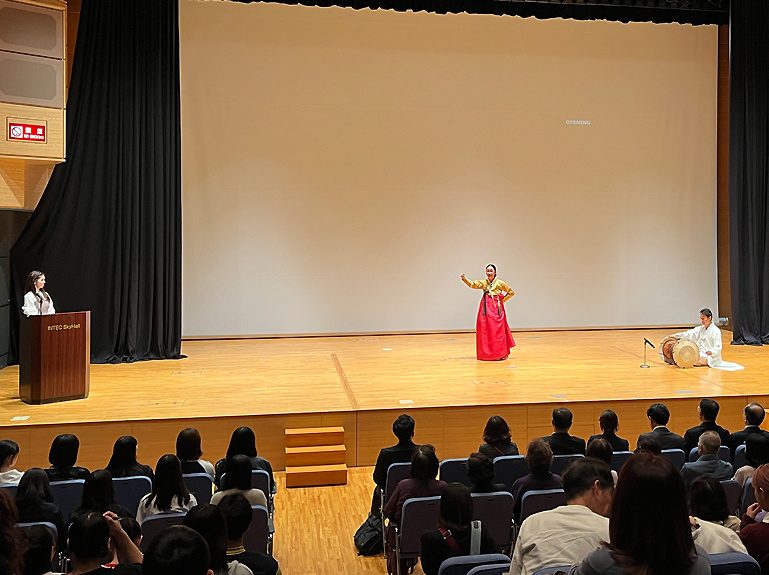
20, 132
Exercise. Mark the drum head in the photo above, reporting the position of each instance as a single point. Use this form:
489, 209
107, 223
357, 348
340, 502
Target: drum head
666, 349
686, 353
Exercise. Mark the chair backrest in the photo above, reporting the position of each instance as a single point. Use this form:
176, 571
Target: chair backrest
419, 515
733, 492
67, 495
33, 523
724, 453
201, 485
454, 471
619, 458
494, 569
676, 457
260, 479
739, 457
510, 468
733, 564
130, 490
464, 564
255, 539
154, 525
11, 487
395, 474
541, 500
551, 570
748, 496
561, 462
495, 512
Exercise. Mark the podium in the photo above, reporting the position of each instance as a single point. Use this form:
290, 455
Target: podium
55, 357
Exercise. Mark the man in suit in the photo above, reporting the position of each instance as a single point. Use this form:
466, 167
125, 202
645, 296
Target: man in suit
560, 441
753, 416
403, 428
708, 411
659, 415
708, 464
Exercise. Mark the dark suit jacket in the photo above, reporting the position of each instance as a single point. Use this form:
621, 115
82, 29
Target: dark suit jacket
738, 437
709, 465
617, 443
492, 451
565, 444
400, 453
692, 436
667, 439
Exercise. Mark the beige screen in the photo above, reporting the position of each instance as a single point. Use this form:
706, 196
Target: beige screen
342, 168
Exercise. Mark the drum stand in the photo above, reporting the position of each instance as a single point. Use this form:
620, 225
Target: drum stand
646, 342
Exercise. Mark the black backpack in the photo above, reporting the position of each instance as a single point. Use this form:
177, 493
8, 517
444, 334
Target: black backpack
368, 537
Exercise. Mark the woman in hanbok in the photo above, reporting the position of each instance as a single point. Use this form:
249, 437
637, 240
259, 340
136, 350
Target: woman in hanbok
708, 338
493, 339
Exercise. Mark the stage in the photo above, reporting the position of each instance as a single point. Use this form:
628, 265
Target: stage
363, 383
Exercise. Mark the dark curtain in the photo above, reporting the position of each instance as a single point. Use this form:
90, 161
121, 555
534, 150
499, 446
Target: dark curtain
107, 231
748, 190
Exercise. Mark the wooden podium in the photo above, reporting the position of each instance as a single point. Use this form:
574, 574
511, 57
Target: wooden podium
55, 357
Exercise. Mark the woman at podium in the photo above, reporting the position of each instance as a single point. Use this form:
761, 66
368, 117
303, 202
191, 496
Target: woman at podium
36, 299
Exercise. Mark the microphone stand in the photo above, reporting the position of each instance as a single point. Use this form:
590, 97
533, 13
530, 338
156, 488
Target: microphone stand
646, 341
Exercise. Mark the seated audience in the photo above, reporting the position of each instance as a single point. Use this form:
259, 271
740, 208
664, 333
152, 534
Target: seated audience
34, 501
88, 547
601, 449
99, 496
609, 425
560, 441
177, 551
648, 444
707, 501
754, 535
133, 530
208, 520
455, 534
9, 454
756, 454
708, 464
565, 535
238, 480
659, 415
707, 411
123, 461
403, 429
480, 471
243, 442
189, 452
753, 415
39, 544
237, 514
11, 560
63, 457
649, 528
497, 439
539, 458
169, 494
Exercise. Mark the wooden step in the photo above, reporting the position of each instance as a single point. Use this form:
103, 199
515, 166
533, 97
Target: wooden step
314, 475
315, 455
310, 436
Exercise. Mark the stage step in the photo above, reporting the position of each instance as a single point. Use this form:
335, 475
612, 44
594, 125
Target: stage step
311, 436
315, 455
316, 475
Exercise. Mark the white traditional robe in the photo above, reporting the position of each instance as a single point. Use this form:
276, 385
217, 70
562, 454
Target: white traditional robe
709, 339
33, 306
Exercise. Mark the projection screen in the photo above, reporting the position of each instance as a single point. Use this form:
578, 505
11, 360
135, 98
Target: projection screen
342, 168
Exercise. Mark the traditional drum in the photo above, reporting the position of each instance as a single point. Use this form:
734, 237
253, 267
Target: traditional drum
680, 352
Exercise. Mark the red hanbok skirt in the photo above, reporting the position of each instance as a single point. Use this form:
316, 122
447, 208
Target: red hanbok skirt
493, 339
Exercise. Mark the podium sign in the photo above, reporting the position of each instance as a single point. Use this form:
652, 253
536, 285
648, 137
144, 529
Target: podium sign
55, 357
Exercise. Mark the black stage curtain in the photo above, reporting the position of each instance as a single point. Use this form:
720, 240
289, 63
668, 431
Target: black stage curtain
107, 231
748, 162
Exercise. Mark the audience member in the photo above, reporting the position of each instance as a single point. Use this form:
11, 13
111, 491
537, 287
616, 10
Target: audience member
88, 547
455, 535
709, 463
238, 480
63, 457
754, 535
480, 471
243, 442
497, 439
133, 530
753, 415
9, 454
539, 458
11, 561
707, 411
169, 494
237, 514
565, 535
177, 551
756, 454
189, 452
600, 448
34, 501
39, 544
707, 501
659, 416
649, 528
609, 425
649, 444
560, 441
403, 428
208, 520
123, 461
99, 496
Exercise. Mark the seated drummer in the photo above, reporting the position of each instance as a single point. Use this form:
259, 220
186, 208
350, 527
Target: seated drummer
707, 337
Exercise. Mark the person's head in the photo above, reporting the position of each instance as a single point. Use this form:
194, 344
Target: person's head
188, 445
39, 544
133, 529
168, 483
34, 486
761, 485
480, 469
587, 481
496, 430
88, 538
424, 464
237, 514
238, 474
608, 421
706, 316
456, 511
403, 427
754, 414
708, 409
658, 414
123, 453
35, 282
756, 450
539, 457
708, 443
10, 556
649, 444
208, 520
491, 272
600, 449
242, 442
177, 551
98, 491
649, 522
64, 450
562, 418
9, 453
707, 499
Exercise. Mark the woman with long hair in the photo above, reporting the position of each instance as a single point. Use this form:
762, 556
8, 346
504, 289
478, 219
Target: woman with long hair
34, 501
99, 496
480, 472
189, 451
37, 301
169, 494
209, 522
11, 561
707, 501
123, 461
238, 480
493, 340
496, 439
63, 457
9, 454
243, 442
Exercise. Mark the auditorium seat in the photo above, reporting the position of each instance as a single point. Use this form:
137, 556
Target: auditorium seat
619, 458
724, 454
154, 525
676, 457
561, 462
419, 515
258, 537
733, 492
130, 490
733, 564
541, 500
454, 471
202, 486
465, 564
495, 512
510, 468
67, 495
